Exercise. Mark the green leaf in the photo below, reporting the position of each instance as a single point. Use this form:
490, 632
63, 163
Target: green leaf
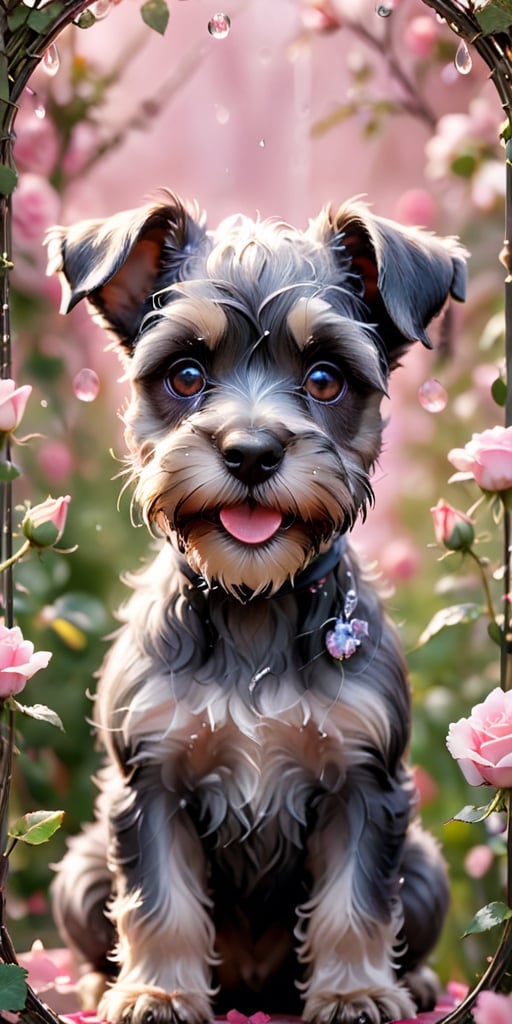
454, 615
499, 391
464, 165
495, 633
5, 90
40, 712
473, 815
8, 471
8, 179
496, 16
341, 113
155, 13
488, 917
37, 827
13, 987
17, 17
43, 19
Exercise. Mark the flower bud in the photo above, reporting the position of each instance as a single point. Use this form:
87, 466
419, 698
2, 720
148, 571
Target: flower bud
12, 404
454, 530
44, 524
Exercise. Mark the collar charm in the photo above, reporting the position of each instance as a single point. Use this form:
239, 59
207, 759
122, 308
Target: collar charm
348, 634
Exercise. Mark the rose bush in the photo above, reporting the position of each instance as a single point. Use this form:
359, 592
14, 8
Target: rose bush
487, 458
482, 743
18, 661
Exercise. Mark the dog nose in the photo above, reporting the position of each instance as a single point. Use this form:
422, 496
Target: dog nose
251, 456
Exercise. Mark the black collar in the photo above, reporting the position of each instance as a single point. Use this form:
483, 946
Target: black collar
308, 579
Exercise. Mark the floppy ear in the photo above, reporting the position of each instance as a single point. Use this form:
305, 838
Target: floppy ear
406, 274
118, 263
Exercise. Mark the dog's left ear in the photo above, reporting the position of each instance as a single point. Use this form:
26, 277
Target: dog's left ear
406, 274
118, 263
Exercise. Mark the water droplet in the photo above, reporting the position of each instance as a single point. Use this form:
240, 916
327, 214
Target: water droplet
100, 9
219, 25
463, 61
384, 10
39, 108
261, 143
86, 385
51, 61
432, 396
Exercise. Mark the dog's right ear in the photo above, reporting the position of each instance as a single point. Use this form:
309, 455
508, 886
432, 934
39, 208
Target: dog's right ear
118, 263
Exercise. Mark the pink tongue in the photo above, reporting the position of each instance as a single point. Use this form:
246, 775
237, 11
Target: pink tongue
250, 525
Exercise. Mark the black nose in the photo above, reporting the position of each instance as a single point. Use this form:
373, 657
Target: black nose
251, 456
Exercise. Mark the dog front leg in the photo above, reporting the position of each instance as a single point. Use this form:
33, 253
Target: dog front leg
160, 909
351, 924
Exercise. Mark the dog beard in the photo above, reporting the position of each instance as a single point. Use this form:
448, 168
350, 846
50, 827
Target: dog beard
250, 543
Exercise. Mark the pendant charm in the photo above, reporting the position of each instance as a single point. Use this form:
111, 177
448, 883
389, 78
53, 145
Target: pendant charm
343, 641
348, 634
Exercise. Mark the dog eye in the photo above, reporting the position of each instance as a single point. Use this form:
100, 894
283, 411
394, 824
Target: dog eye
185, 379
325, 383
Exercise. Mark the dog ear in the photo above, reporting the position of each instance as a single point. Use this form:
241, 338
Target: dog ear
118, 263
407, 274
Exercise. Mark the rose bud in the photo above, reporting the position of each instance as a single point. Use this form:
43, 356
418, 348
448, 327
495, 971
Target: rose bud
44, 524
12, 404
453, 529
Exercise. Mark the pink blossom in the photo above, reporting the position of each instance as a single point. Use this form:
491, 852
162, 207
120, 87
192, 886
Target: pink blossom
416, 207
482, 743
55, 460
37, 145
13, 401
421, 35
478, 860
36, 206
44, 524
18, 661
493, 1008
487, 458
453, 529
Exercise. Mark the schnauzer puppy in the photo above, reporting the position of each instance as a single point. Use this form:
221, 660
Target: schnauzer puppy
255, 842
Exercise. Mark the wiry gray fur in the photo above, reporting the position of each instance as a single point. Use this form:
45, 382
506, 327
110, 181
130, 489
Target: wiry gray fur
255, 833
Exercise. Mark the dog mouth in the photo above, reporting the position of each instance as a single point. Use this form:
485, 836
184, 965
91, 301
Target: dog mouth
251, 524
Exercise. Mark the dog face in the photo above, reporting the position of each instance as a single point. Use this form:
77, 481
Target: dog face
258, 356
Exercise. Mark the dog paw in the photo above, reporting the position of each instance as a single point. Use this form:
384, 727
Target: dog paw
138, 1004
90, 988
370, 1007
423, 986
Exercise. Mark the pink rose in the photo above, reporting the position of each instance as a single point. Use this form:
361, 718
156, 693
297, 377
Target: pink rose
452, 528
44, 524
493, 1008
12, 404
18, 661
482, 743
487, 458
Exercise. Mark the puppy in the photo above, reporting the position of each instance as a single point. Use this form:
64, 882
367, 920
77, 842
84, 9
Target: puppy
255, 842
